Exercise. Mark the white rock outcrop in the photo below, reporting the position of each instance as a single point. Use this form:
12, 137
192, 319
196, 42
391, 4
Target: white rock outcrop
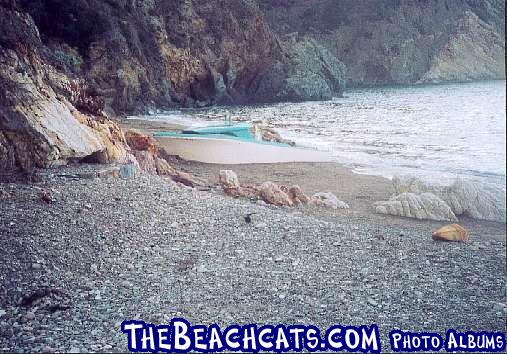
464, 197
328, 200
478, 201
408, 184
418, 206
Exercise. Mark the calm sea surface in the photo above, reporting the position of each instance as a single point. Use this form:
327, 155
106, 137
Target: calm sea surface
436, 132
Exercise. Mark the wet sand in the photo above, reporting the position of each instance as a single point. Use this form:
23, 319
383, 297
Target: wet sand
228, 151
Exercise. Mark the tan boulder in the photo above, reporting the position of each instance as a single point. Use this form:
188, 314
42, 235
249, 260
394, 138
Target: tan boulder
141, 142
245, 191
296, 195
250, 191
452, 232
145, 150
229, 182
273, 194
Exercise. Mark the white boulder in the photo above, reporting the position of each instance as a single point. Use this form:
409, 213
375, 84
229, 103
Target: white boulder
418, 206
328, 200
465, 197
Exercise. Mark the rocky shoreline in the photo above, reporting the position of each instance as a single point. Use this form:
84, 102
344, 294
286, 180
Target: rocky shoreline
98, 225
103, 249
68, 67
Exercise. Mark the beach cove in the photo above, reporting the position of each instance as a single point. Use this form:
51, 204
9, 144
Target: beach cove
154, 247
332, 166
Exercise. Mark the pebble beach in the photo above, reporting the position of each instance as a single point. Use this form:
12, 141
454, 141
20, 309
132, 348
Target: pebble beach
102, 250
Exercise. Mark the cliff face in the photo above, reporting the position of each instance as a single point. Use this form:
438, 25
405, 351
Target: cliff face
159, 53
401, 41
39, 122
164, 53
66, 64
135, 54
475, 50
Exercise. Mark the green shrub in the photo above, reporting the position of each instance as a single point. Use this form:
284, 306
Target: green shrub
68, 59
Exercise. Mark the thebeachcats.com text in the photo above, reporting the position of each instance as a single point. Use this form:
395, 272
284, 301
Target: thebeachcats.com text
179, 336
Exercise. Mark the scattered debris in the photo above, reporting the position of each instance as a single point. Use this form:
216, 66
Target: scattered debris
248, 218
46, 196
37, 295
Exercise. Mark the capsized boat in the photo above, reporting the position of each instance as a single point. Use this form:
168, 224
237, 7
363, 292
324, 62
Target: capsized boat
232, 144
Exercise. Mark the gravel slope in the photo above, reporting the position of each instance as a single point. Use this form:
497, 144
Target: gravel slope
149, 249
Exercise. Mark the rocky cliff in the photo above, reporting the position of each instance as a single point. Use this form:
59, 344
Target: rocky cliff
46, 117
165, 53
401, 41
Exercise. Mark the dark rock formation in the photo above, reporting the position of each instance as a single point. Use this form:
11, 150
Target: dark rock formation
158, 53
308, 71
401, 41
179, 53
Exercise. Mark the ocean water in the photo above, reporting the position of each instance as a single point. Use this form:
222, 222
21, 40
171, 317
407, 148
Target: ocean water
435, 132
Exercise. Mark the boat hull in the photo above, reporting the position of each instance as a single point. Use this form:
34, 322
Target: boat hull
225, 151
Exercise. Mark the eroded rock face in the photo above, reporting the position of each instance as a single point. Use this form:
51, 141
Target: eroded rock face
141, 142
159, 53
418, 206
39, 125
478, 201
307, 72
464, 197
271, 193
401, 42
296, 195
145, 151
474, 51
